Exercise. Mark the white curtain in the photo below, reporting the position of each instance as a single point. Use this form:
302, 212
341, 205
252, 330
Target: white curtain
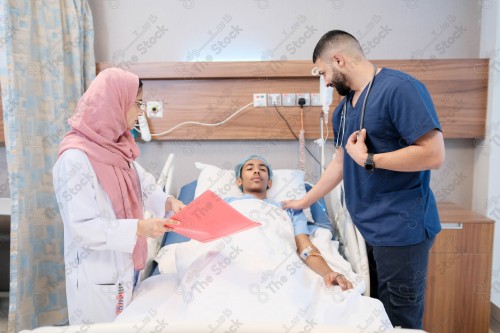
46, 63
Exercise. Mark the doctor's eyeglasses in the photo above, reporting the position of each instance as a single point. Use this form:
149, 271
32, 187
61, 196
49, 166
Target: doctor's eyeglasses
141, 105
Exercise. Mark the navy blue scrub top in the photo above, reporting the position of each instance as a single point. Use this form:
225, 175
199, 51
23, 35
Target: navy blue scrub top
390, 208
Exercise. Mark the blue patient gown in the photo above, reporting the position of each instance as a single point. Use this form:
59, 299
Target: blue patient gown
299, 220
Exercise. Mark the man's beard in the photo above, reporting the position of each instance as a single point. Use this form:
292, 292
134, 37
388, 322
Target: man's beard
341, 86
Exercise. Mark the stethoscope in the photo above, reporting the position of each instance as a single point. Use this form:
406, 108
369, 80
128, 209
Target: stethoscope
344, 112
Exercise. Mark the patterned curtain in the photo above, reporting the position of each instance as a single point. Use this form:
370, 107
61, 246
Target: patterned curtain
46, 63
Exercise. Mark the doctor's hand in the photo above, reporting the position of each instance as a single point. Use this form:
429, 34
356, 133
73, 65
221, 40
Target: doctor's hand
294, 204
356, 147
332, 278
172, 204
154, 227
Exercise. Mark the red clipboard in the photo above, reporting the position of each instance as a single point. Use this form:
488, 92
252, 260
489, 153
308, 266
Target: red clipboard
209, 217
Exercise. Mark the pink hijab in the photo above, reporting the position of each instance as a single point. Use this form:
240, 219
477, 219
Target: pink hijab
99, 128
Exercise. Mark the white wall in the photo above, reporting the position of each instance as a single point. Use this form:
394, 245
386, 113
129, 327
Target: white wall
412, 27
487, 153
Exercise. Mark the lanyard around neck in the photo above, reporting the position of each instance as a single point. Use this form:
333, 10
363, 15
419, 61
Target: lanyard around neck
344, 111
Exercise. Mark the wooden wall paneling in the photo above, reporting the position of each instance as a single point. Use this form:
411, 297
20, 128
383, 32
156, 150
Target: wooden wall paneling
458, 88
211, 101
218, 70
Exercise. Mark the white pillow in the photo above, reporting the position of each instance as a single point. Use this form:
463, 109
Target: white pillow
222, 182
287, 184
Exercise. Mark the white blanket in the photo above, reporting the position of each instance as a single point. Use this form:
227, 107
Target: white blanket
252, 276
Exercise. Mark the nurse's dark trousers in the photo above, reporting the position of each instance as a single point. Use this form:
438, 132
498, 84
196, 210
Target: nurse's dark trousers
398, 278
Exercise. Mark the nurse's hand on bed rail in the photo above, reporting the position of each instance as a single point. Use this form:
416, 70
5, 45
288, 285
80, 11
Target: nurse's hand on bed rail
172, 204
154, 227
332, 278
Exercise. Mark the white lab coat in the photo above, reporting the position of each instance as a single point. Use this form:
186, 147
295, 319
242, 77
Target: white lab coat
97, 246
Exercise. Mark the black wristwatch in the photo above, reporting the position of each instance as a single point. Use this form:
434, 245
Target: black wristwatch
369, 164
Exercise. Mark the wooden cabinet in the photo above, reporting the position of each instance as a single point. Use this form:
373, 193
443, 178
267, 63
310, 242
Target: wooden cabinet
457, 298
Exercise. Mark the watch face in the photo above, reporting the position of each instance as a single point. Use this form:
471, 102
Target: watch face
369, 165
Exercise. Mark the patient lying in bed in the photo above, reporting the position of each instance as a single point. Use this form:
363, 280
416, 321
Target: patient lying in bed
254, 178
257, 275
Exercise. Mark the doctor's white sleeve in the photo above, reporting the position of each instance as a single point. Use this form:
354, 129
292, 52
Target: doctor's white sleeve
86, 209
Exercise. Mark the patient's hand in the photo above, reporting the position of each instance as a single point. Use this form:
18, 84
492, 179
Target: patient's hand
154, 227
174, 204
293, 204
332, 278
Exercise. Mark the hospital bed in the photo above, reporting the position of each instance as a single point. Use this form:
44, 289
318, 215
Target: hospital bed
208, 174
339, 229
351, 243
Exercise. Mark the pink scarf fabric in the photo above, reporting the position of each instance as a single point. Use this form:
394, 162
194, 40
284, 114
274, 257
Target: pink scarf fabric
99, 128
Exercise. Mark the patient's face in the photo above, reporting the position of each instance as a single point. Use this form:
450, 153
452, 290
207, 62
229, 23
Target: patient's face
254, 177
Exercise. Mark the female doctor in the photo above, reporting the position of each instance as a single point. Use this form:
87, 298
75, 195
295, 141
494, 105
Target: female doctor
101, 192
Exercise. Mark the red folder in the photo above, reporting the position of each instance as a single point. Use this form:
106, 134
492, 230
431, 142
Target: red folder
209, 217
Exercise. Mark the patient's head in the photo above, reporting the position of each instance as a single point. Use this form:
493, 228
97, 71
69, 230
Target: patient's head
253, 176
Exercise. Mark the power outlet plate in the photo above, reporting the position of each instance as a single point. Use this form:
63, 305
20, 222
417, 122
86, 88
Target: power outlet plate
259, 100
288, 99
154, 109
274, 99
315, 99
306, 96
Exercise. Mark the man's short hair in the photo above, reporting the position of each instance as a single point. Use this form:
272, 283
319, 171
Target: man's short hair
338, 39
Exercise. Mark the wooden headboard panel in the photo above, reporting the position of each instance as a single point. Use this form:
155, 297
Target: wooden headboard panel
209, 92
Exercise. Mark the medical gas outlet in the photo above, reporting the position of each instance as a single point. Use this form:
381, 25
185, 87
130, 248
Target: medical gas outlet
289, 99
154, 109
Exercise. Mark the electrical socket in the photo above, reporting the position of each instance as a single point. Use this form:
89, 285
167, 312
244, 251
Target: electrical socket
274, 99
305, 96
288, 99
154, 109
259, 100
316, 99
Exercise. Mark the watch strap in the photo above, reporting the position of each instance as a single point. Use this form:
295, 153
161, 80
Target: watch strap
369, 164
